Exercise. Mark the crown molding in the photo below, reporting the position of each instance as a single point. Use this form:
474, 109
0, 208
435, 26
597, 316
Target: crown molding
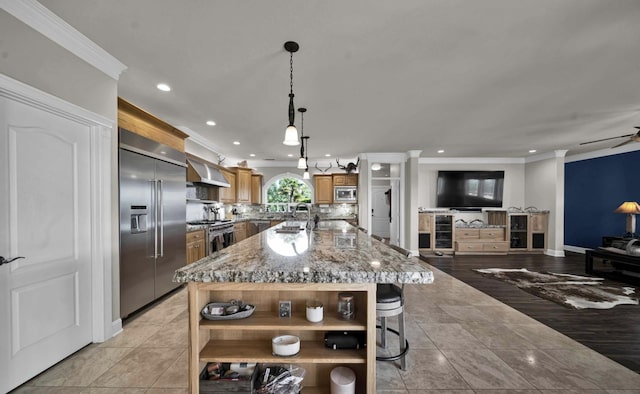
471, 160
41, 19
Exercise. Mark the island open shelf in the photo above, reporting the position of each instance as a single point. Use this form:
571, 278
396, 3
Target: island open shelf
249, 339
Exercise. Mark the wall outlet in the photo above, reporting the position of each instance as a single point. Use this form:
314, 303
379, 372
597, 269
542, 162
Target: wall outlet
284, 309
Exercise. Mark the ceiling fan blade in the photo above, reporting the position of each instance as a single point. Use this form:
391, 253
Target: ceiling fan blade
606, 139
624, 143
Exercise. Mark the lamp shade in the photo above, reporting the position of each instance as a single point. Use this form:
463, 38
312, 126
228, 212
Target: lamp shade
305, 175
628, 207
302, 163
291, 136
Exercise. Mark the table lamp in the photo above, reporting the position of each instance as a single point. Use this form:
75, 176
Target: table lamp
630, 208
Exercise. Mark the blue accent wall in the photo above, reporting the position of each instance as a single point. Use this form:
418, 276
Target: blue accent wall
594, 188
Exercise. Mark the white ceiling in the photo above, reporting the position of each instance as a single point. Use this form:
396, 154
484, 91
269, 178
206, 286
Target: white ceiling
484, 78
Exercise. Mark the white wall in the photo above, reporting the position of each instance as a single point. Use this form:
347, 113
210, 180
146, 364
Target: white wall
544, 189
29, 57
514, 180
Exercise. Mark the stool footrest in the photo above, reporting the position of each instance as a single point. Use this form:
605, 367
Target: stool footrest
398, 356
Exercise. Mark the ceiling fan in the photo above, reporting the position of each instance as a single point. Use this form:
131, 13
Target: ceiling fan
632, 138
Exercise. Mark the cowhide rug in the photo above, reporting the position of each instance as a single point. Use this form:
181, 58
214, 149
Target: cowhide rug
572, 291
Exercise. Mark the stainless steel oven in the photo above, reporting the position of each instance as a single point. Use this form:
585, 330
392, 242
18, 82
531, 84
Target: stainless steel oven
345, 194
220, 236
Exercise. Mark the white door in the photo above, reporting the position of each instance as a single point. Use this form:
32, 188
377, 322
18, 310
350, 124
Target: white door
45, 216
380, 211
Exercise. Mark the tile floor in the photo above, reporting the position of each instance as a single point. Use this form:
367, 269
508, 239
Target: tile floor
462, 341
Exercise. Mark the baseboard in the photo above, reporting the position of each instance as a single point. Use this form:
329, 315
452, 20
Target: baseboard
575, 249
116, 327
554, 253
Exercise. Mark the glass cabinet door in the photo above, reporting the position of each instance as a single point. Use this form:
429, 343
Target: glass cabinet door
518, 227
444, 232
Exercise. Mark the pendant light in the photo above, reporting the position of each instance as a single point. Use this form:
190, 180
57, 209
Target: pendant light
302, 162
291, 133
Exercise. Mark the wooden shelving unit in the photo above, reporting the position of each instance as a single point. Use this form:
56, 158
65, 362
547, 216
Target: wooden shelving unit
249, 339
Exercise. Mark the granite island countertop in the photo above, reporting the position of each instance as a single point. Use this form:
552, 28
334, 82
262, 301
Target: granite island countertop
335, 252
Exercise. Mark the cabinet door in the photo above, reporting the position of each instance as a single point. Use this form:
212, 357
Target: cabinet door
539, 222
240, 231
243, 185
351, 180
424, 222
228, 194
256, 189
324, 189
444, 232
518, 231
339, 180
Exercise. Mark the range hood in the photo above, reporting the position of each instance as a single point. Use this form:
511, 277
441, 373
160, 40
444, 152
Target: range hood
205, 173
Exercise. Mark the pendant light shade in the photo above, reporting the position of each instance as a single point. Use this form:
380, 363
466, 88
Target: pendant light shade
302, 163
291, 133
306, 174
291, 136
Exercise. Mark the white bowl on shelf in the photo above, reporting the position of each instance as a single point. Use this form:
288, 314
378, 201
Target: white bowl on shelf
285, 345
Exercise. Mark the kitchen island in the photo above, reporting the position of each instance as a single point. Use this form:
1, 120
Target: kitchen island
296, 266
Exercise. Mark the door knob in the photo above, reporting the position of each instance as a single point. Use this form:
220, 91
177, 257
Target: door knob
4, 261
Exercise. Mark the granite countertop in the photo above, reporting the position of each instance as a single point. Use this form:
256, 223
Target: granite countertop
336, 252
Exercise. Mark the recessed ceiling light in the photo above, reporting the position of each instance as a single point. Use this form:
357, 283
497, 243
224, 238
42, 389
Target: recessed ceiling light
327, 155
164, 87
211, 123
252, 154
236, 142
290, 155
532, 151
440, 150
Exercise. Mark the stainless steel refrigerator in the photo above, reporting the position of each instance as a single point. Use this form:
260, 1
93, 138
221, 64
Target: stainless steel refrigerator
152, 219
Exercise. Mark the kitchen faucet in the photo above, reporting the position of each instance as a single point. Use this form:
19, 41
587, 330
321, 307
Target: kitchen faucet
295, 212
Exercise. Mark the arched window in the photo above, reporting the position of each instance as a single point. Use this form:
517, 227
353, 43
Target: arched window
286, 189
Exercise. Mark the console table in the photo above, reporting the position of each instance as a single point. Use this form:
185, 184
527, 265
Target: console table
618, 259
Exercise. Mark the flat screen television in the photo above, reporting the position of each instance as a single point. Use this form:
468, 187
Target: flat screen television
467, 190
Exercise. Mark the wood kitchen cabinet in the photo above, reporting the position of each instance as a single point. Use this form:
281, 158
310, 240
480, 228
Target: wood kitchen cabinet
256, 189
228, 194
240, 231
323, 189
243, 185
345, 179
196, 246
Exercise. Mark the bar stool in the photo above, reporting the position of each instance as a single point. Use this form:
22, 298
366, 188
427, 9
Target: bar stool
389, 303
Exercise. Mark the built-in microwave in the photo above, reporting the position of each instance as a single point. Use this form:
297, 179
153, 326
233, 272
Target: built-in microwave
345, 194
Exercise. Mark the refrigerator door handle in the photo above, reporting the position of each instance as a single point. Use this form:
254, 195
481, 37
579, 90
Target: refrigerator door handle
161, 209
155, 218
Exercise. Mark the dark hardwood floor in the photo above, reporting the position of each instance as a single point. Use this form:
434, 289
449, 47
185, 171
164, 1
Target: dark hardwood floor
614, 332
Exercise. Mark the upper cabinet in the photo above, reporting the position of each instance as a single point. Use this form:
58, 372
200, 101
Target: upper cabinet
345, 179
256, 189
228, 194
243, 185
323, 189
143, 123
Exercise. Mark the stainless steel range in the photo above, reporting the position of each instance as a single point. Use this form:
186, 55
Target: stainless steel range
219, 234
